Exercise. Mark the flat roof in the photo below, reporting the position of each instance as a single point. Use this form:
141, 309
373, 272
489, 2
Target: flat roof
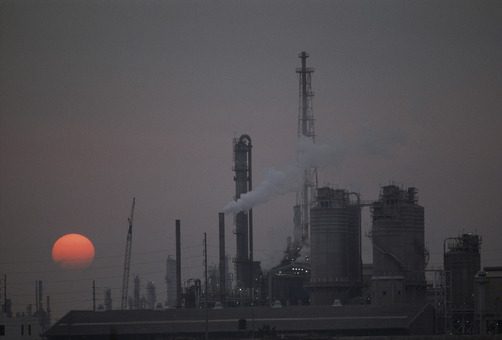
350, 318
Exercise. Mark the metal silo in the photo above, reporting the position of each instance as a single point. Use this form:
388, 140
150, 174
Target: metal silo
463, 260
335, 248
398, 247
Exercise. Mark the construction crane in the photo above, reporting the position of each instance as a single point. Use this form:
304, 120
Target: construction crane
127, 260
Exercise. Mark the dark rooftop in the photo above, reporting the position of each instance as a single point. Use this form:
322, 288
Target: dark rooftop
344, 320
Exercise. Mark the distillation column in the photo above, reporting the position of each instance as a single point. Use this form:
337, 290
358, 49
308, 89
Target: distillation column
397, 235
243, 219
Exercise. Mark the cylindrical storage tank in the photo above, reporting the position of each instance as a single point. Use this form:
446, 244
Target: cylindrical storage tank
463, 260
398, 235
329, 244
334, 246
398, 238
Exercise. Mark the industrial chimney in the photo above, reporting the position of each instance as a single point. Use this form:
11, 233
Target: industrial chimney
244, 219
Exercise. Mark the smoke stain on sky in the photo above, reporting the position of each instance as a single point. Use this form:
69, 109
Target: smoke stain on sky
105, 101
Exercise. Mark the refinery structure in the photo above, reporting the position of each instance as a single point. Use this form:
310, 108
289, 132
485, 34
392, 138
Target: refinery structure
321, 286
399, 250
306, 191
335, 244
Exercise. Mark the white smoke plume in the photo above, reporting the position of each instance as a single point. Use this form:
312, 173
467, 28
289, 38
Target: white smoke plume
369, 141
278, 183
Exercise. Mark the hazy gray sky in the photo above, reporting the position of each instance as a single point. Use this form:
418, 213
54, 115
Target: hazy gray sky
103, 101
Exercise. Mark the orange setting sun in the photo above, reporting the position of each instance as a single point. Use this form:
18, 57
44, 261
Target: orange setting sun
73, 251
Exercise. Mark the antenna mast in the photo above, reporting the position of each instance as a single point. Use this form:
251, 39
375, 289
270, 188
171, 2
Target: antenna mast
304, 197
127, 260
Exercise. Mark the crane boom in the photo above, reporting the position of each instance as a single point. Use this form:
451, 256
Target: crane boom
127, 260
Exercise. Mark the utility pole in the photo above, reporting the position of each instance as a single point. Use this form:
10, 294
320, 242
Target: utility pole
93, 295
178, 264
205, 284
221, 217
127, 259
4, 307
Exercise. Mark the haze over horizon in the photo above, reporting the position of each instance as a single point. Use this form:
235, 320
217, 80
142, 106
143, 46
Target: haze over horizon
105, 101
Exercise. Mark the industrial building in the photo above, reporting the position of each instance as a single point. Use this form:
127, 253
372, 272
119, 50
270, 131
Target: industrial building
20, 327
28, 325
326, 291
462, 261
397, 236
213, 282
488, 300
247, 271
287, 284
288, 281
246, 322
335, 248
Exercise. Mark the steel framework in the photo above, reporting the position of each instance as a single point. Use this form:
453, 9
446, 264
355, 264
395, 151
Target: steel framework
127, 259
305, 196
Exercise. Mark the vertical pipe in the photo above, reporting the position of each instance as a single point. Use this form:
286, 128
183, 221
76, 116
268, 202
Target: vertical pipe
482, 282
250, 188
40, 295
250, 219
93, 295
251, 269
48, 299
482, 306
178, 264
360, 250
303, 76
205, 287
222, 258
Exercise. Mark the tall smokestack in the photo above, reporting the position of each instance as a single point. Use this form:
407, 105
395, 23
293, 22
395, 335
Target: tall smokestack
178, 264
243, 219
222, 258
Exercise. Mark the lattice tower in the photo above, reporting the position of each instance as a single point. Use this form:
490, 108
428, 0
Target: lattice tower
305, 196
